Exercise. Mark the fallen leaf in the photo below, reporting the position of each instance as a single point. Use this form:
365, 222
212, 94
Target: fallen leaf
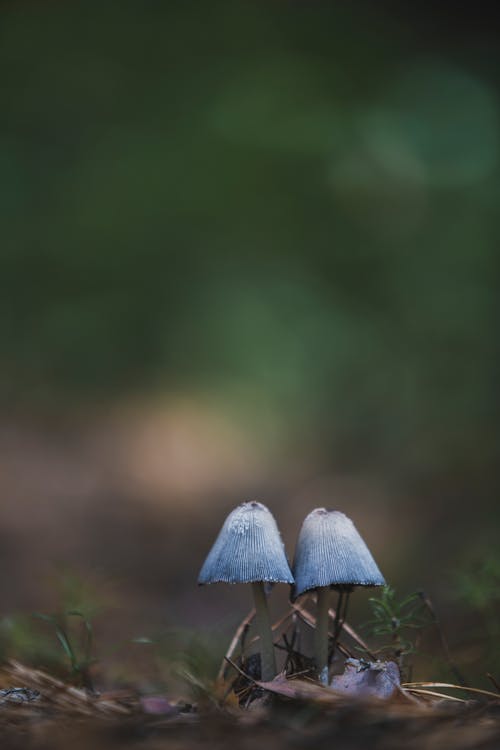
374, 679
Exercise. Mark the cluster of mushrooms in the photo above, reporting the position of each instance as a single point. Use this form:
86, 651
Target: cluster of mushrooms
330, 554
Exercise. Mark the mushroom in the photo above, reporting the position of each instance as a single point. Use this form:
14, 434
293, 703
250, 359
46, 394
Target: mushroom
249, 550
330, 554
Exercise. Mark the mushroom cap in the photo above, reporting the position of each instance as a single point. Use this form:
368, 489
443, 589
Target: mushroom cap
248, 549
330, 552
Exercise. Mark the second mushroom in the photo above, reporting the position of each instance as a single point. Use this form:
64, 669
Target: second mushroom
330, 554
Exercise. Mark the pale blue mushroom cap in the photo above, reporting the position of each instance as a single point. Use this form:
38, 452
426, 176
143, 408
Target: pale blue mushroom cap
331, 552
248, 549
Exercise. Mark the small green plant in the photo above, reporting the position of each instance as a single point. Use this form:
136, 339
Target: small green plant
77, 646
401, 621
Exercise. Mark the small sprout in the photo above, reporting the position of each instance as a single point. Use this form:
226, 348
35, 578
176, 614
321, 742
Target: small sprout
397, 619
80, 657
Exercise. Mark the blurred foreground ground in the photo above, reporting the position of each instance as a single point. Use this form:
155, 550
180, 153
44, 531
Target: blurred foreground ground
350, 729
311, 714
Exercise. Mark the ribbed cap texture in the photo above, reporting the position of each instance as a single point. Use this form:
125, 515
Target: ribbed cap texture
248, 549
331, 552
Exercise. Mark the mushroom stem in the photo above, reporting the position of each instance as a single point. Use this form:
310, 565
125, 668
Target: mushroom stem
267, 657
321, 634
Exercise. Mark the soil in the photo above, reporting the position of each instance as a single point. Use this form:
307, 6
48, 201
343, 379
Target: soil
52, 715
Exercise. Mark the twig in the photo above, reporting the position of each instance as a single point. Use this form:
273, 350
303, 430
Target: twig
238, 669
352, 633
282, 620
306, 617
492, 679
296, 631
242, 627
240, 634
432, 693
299, 674
274, 627
464, 688
339, 621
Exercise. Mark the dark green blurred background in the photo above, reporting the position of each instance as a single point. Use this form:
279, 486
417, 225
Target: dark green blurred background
248, 250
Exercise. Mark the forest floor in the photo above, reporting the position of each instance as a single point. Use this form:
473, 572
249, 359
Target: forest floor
42, 712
